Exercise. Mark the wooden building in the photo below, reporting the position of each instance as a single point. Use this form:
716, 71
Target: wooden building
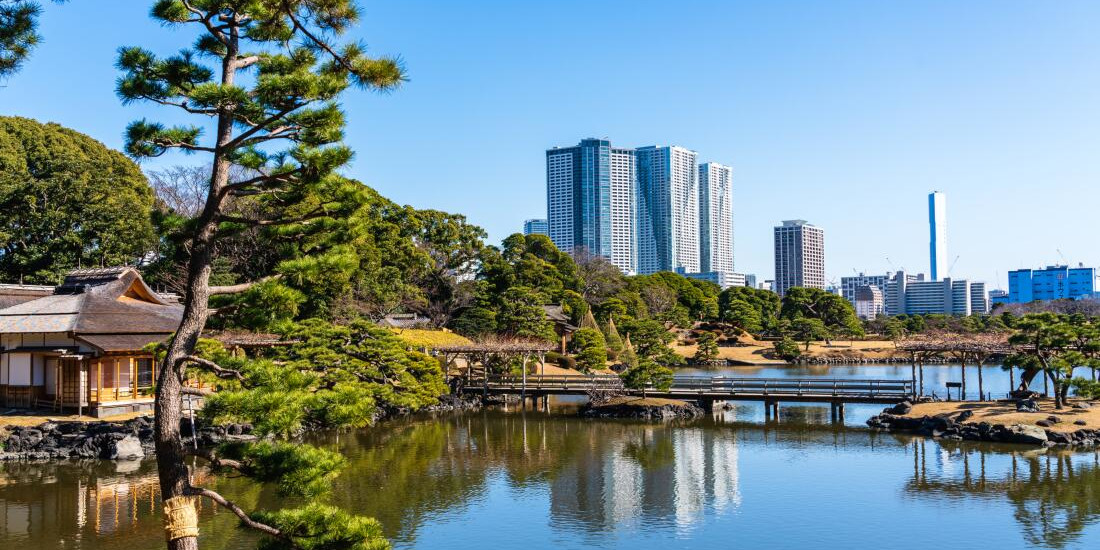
81, 348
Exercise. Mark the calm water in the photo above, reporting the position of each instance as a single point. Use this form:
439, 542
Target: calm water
506, 479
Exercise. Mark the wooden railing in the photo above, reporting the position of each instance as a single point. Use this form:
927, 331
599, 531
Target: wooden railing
710, 386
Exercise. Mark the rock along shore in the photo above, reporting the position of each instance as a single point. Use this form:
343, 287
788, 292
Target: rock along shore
642, 409
133, 439
951, 426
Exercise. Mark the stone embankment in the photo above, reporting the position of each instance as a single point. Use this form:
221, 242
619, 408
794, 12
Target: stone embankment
129, 440
955, 426
642, 409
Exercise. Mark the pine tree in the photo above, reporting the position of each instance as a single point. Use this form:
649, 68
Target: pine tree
266, 76
590, 349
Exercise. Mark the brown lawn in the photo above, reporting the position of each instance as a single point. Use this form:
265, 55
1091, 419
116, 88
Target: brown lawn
1005, 413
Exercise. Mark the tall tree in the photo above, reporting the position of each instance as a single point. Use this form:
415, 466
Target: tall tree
67, 201
834, 311
266, 75
18, 33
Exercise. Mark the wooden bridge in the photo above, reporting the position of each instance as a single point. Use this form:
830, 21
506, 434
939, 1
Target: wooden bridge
706, 390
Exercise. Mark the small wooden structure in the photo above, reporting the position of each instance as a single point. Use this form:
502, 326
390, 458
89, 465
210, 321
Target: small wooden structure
977, 349
480, 355
83, 346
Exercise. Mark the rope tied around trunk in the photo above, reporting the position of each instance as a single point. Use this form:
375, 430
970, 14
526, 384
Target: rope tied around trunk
180, 518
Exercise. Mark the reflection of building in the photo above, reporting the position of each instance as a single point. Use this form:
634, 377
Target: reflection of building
118, 501
654, 472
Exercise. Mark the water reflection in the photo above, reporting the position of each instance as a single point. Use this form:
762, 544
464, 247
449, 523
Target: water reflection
1055, 495
548, 481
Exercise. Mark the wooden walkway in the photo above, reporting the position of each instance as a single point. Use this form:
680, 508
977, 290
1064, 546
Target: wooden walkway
709, 389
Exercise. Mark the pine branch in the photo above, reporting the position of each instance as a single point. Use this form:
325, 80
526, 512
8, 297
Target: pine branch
244, 517
235, 289
216, 369
212, 456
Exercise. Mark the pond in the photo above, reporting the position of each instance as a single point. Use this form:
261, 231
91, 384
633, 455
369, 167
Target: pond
549, 480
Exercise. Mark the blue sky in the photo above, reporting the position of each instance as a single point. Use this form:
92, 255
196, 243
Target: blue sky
845, 114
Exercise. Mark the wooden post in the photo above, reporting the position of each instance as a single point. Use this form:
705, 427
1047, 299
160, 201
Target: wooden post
962, 389
921, 364
116, 362
523, 389
981, 385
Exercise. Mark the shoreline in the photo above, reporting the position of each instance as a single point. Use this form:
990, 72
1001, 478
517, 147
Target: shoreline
1027, 422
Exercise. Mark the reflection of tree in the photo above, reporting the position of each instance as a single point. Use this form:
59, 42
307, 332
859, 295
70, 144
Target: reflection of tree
1055, 494
651, 449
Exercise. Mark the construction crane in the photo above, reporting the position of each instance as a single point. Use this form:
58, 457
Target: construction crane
1062, 256
953, 265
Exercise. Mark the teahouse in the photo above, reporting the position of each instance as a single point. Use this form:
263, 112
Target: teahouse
81, 347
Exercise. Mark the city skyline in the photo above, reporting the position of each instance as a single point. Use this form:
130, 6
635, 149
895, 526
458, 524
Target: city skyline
819, 121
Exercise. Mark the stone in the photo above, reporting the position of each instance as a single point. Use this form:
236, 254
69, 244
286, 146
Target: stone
1081, 405
1053, 419
1060, 438
1030, 435
964, 416
127, 448
1080, 423
1044, 423
1027, 405
901, 408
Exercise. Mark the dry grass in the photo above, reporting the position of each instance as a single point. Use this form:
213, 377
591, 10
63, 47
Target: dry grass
634, 401
752, 351
34, 418
1005, 413
424, 338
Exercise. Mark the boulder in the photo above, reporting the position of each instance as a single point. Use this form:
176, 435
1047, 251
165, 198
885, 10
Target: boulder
1030, 435
1080, 423
1053, 419
1027, 405
1081, 405
901, 408
1044, 423
964, 416
127, 448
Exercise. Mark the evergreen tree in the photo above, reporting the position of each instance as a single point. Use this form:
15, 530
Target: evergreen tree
18, 33
646, 375
707, 347
67, 201
266, 75
590, 349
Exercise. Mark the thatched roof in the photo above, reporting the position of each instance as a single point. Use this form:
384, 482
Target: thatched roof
93, 304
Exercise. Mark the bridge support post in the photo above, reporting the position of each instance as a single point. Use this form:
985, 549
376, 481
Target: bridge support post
840, 412
707, 405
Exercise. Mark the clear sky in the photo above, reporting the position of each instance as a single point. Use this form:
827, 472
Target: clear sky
845, 114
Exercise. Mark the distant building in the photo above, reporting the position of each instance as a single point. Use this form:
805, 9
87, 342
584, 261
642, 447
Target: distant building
896, 287
721, 278
768, 285
536, 227
668, 209
799, 256
937, 225
946, 297
590, 200
1056, 282
715, 218
998, 296
848, 285
750, 280
869, 302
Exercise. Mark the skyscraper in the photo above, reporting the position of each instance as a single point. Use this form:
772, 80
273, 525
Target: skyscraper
715, 218
668, 209
937, 225
799, 256
536, 227
590, 200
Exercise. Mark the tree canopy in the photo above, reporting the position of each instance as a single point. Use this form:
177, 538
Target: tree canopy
66, 202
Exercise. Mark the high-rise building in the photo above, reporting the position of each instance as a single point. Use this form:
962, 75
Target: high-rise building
750, 280
848, 285
937, 226
723, 279
869, 302
668, 209
896, 289
799, 256
536, 227
1055, 282
590, 197
715, 217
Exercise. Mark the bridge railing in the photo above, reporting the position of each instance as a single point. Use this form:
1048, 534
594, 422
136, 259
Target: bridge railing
686, 385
